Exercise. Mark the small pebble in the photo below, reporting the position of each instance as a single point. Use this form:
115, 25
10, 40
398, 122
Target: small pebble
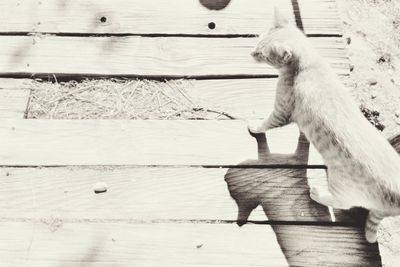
384, 58
351, 67
348, 39
373, 95
198, 243
397, 113
372, 81
100, 187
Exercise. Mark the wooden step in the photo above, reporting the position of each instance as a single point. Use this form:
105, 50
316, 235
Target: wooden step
49, 243
152, 194
146, 17
145, 57
119, 142
13, 103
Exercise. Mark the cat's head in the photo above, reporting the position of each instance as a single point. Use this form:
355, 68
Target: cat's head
276, 46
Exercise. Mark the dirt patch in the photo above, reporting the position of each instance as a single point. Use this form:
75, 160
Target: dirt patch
372, 31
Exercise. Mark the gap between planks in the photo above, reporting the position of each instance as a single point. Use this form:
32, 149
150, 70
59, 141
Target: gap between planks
140, 194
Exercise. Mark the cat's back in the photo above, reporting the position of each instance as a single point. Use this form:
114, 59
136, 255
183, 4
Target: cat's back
332, 121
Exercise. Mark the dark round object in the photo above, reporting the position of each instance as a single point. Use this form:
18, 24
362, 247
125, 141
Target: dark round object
215, 4
211, 25
103, 19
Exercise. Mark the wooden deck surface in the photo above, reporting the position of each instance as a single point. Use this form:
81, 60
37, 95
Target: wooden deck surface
149, 18
176, 189
144, 56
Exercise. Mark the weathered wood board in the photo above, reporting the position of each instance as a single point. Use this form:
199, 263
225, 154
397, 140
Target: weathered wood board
148, 57
50, 243
16, 84
240, 98
240, 17
13, 103
119, 142
319, 17
163, 194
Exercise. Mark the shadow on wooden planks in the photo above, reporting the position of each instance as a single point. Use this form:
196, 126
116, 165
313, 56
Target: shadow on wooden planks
251, 188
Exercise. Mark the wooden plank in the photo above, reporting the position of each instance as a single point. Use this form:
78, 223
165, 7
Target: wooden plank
240, 98
163, 194
144, 17
139, 56
118, 244
13, 103
119, 142
16, 84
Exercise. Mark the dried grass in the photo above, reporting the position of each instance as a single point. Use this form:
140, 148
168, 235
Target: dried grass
117, 99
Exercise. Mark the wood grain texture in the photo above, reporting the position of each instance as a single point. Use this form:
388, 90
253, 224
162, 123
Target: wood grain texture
55, 243
240, 98
320, 17
118, 142
140, 56
163, 194
13, 103
146, 17
16, 84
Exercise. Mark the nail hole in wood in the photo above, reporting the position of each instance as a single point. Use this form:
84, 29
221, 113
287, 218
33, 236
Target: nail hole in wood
211, 25
103, 19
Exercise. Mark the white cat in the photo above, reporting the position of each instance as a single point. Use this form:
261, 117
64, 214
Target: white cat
363, 169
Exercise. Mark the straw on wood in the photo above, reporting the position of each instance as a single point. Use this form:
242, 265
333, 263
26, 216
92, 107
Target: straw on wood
117, 99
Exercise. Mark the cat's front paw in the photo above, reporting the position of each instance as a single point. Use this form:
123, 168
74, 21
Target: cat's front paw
255, 127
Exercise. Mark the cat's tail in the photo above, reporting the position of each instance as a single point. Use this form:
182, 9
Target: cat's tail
371, 225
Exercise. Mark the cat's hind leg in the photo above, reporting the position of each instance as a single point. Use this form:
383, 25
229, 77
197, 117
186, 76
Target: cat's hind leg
324, 197
371, 225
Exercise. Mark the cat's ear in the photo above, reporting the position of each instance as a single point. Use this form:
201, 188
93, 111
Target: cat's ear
282, 52
280, 20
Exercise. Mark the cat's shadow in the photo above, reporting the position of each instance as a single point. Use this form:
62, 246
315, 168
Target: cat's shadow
283, 194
